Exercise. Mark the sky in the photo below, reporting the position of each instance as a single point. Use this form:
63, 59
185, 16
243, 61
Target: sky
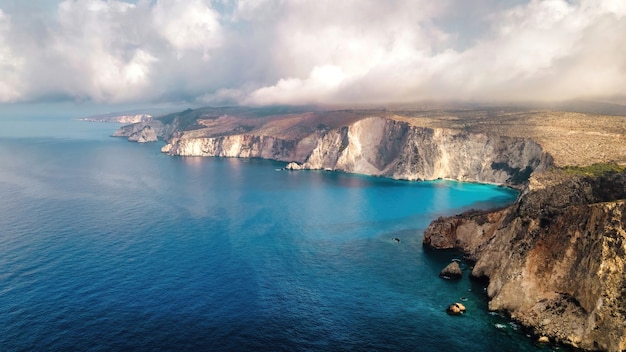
263, 52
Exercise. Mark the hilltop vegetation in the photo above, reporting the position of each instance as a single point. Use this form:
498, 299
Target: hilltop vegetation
593, 170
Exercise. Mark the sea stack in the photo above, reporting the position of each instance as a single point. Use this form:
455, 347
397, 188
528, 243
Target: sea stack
452, 271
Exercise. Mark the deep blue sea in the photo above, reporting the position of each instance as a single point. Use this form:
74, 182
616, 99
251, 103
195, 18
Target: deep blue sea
107, 245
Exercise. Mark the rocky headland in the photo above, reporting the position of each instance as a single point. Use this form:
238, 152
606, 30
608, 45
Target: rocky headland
554, 260
119, 118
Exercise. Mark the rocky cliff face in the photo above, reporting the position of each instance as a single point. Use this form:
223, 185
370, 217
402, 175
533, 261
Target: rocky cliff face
384, 147
396, 149
555, 260
146, 131
242, 146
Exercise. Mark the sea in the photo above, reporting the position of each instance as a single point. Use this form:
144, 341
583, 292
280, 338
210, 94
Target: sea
107, 245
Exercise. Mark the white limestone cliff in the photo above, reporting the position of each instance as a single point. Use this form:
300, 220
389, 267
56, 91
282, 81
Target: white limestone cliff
384, 147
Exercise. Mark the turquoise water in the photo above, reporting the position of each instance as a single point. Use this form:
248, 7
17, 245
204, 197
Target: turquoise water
109, 245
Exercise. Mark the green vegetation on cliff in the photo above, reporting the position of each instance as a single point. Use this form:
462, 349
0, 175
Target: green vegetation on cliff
593, 170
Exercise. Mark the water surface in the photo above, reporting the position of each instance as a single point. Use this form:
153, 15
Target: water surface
109, 245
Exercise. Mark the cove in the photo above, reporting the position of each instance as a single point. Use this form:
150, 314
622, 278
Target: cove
109, 245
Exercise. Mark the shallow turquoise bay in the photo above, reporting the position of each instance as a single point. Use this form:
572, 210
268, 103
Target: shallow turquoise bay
109, 245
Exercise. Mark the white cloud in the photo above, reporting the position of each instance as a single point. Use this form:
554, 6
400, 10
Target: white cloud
539, 50
313, 51
106, 50
359, 39
549, 50
319, 87
10, 65
97, 45
188, 25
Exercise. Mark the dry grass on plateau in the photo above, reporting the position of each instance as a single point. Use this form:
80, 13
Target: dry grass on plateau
571, 138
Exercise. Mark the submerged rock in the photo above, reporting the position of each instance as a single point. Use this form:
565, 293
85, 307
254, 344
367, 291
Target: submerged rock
452, 271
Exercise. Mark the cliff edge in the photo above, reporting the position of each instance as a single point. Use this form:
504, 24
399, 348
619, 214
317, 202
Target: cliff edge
356, 143
555, 260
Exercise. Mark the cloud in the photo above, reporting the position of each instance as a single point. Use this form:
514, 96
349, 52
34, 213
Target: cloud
257, 10
188, 25
553, 50
539, 50
106, 51
312, 51
10, 65
321, 84
98, 48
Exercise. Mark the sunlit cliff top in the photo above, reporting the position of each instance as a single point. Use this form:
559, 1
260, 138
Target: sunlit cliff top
571, 138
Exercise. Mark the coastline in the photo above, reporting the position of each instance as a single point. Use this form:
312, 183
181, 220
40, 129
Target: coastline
553, 258
385, 147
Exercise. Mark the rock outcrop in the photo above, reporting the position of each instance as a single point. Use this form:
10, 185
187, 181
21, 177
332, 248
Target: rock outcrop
132, 118
147, 131
383, 147
556, 260
456, 309
451, 271
145, 135
293, 166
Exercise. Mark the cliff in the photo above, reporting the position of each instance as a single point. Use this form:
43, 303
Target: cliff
146, 131
383, 147
555, 260
386, 147
119, 118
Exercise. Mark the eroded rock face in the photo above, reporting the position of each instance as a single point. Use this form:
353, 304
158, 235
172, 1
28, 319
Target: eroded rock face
556, 260
293, 166
384, 147
145, 135
240, 146
146, 131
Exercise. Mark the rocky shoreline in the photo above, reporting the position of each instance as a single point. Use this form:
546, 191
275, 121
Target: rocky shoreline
555, 260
